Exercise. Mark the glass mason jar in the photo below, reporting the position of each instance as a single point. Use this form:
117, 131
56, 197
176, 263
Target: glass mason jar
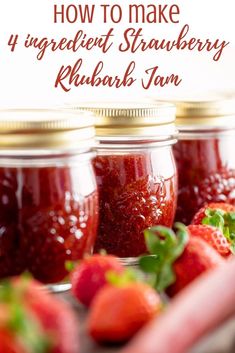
205, 155
48, 192
135, 172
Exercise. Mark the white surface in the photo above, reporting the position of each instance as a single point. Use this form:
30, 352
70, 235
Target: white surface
25, 81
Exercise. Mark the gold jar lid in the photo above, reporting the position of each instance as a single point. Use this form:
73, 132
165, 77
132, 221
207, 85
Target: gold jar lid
36, 129
132, 119
213, 112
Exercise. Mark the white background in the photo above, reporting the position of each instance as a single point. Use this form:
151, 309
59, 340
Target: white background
25, 81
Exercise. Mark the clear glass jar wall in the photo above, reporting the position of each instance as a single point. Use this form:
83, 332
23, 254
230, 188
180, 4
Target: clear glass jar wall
137, 189
205, 155
48, 192
135, 172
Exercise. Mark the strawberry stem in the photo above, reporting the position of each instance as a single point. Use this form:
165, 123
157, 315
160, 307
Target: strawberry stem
165, 247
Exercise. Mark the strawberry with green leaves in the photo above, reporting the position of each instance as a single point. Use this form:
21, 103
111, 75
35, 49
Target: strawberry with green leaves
20, 331
221, 216
213, 206
33, 321
176, 259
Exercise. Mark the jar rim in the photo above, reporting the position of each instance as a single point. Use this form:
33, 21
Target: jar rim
133, 142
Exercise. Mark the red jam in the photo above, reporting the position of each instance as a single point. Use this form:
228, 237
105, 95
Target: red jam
136, 191
206, 174
46, 218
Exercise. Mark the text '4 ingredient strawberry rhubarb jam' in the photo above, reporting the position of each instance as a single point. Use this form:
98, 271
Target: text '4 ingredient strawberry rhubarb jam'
205, 154
48, 192
135, 172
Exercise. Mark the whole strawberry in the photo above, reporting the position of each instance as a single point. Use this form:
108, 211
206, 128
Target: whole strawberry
20, 330
212, 236
220, 216
33, 321
90, 276
177, 259
197, 258
118, 312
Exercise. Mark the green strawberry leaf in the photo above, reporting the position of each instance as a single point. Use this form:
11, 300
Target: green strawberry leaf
121, 279
154, 244
165, 247
149, 264
224, 221
214, 218
166, 277
32, 335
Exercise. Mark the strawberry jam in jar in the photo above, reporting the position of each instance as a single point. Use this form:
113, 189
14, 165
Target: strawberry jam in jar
205, 154
48, 192
135, 172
